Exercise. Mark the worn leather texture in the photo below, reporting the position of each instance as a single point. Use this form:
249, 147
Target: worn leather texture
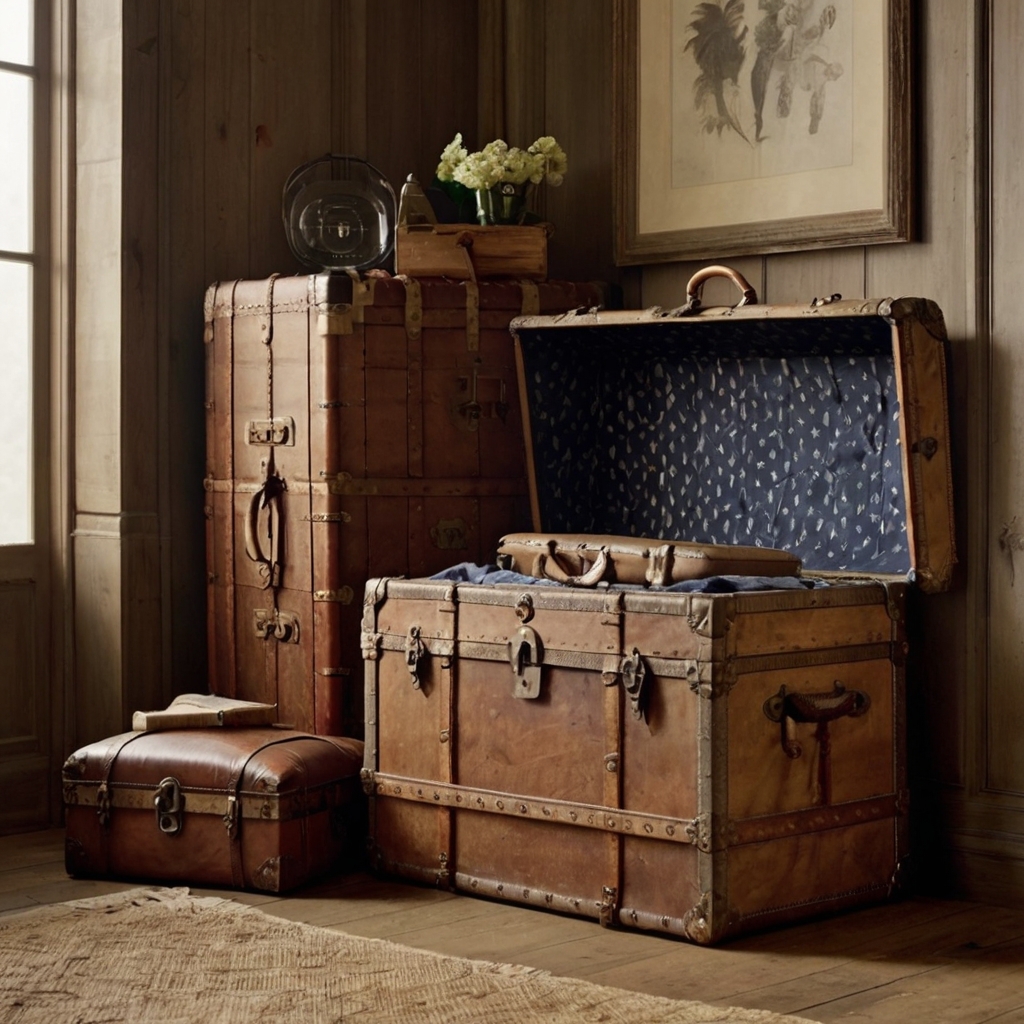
264, 808
696, 764
647, 561
354, 428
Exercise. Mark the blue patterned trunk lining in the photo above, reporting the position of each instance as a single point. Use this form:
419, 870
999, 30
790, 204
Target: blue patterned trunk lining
777, 433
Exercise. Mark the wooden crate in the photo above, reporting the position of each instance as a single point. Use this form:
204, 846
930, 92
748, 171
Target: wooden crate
464, 251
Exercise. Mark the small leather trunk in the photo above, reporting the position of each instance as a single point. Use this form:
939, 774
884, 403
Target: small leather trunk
696, 759
264, 809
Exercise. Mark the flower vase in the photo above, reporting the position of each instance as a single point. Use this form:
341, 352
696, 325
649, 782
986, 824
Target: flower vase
505, 203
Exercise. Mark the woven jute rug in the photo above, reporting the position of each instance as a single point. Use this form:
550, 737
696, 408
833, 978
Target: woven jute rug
164, 955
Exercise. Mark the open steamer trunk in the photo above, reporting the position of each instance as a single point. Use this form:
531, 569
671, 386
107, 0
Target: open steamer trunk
690, 761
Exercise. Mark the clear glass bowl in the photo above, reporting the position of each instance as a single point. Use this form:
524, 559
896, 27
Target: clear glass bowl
339, 214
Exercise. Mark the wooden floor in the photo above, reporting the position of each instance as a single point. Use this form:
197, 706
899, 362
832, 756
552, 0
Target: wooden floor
925, 960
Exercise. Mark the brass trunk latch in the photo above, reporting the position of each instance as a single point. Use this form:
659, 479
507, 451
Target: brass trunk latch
525, 654
273, 623
170, 806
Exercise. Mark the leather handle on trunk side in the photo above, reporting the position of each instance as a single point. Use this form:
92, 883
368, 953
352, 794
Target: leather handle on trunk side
817, 707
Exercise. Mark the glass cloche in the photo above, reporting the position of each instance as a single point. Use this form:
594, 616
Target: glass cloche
339, 214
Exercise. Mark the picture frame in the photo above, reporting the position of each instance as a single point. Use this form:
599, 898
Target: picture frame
745, 127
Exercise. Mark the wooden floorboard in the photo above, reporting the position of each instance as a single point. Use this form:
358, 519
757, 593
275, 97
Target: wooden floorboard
921, 959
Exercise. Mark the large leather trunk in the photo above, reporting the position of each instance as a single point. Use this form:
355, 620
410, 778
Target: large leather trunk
355, 427
263, 809
680, 759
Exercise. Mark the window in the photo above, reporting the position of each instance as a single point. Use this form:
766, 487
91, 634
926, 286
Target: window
17, 266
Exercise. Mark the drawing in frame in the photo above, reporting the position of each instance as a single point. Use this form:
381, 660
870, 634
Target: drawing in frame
758, 126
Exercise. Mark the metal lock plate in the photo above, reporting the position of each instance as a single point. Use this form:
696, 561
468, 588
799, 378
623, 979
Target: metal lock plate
170, 806
279, 431
269, 623
525, 655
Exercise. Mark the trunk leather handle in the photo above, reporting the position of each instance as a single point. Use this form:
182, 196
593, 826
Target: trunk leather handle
695, 288
268, 497
546, 567
789, 708
817, 707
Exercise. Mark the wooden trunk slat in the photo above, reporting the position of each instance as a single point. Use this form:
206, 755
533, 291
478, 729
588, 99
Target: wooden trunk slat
384, 472
759, 837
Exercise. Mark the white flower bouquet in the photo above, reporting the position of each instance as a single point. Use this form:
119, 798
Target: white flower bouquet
506, 171
545, 160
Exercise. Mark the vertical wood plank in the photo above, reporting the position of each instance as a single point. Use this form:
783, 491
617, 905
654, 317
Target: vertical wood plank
578, 114
226, 140
797, 278
395, 101
1005, 708
290, 67
490, 123
941, 266
144, 399
448, 82
348, 71
525, 71
183, 219
141, 162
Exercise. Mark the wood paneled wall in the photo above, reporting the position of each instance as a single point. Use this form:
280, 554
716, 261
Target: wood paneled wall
246, 91
952, 735
243, 93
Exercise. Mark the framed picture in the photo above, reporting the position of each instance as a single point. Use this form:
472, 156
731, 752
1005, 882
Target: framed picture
757, 126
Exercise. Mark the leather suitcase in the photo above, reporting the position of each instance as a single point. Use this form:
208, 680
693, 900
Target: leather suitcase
587, 559
264, 809
355, 427
684, 760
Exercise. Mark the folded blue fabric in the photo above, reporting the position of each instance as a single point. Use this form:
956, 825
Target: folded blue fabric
470, 572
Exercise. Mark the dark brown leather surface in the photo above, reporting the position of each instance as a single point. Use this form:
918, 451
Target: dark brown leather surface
311, 782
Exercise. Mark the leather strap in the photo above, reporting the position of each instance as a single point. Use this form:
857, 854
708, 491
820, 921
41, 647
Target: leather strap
103, 801
446, 724
267, 497
472, 316
414, 374
612, 797
233, 817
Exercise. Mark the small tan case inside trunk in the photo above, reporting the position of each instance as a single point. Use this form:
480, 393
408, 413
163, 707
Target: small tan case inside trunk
588, 559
